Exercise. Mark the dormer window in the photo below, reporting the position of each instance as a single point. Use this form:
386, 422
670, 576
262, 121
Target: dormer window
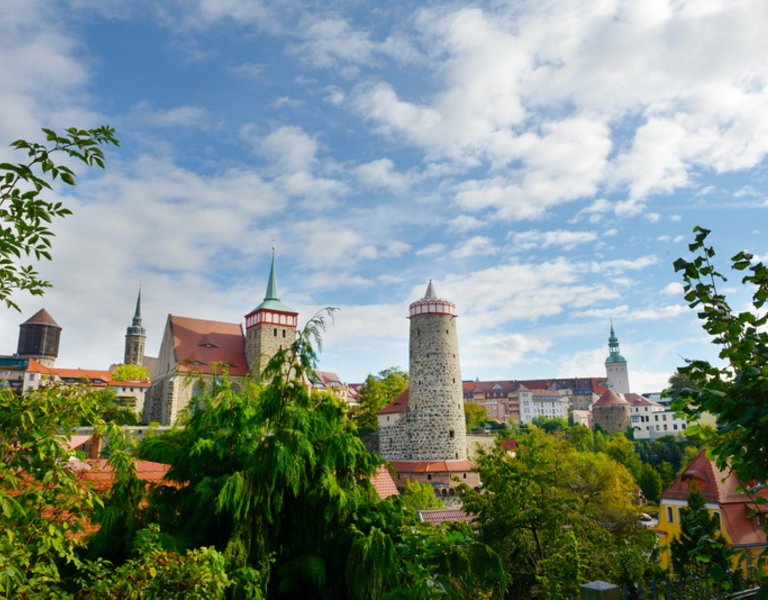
208, 345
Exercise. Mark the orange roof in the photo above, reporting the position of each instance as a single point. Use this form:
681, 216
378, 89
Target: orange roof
101, 474
35, 367
200, 346
432, 466
638, 400
383, 483
721, 487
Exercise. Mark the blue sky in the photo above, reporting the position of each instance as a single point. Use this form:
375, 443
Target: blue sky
543, 162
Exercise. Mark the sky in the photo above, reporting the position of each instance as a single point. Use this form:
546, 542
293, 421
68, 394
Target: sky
543, 162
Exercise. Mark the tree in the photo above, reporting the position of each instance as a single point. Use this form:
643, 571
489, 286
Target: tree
735, 392
474, 415
44, 507
550, 424
129, 373
420, 496
650, 483
25, 216
377, 392
700, 549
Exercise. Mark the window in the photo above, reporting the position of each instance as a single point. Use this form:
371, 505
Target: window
429, 476
451, 434
274, 331
716, 520
283, 332
670, 515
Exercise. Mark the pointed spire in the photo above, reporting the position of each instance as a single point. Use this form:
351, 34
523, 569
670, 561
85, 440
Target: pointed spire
614, 354
137, 312
430, 295
272, 293
136, 329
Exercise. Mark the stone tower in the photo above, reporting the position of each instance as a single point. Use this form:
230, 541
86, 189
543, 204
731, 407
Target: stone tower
434, 420
268, 327
135, 337
612, 412
39, 338
616, 367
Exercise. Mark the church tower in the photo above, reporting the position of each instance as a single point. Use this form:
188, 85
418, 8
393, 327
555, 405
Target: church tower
435, 415
616, 367
39, 338
135, 337
268, 327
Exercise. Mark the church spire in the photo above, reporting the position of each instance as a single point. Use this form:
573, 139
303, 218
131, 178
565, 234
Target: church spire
135, 336
272, 283
614, 356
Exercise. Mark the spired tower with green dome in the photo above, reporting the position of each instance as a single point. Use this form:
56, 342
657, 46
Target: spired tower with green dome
268, 327
616, 372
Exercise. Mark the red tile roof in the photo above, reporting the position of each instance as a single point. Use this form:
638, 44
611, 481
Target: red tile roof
201, 346
638, 400
432, 466
101, 474
609, 398
41, 317
383, 483
400, 404
445, 515
35, 367
721, 487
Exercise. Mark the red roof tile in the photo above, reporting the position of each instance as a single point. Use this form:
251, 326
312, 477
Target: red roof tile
201, 345
609, 398
721, 487
41, 317
432, 466
101, 474
383, 483
638, 400
400, 404
445, 515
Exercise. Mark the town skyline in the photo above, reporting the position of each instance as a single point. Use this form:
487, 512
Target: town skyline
542, 164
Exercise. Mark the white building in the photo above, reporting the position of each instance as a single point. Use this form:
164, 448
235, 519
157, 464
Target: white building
542, 403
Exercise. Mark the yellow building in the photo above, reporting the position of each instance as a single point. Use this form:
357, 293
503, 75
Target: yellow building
741, 522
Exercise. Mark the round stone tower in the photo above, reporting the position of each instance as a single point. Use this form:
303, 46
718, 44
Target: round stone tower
435, 416
39, 338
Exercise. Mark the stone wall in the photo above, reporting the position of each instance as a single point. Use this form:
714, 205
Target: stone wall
613, 418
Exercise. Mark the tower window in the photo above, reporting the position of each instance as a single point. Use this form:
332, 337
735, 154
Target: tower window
429, 477
451, 434
283, 332
275, 332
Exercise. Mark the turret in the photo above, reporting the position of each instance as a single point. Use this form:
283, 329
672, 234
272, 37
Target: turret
39, 338
268, 327
616, 371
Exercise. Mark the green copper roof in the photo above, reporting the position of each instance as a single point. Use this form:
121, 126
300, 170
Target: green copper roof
272, 298
613, 347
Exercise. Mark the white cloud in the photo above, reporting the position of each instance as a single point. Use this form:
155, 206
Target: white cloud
179, 116
527, 240
382, 173
431, 250
466, 223
476, 246
328, 42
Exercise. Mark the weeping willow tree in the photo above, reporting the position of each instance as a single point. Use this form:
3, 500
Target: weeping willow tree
273, 475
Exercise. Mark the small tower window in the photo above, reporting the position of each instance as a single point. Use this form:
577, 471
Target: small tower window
283, 332
429, 477
275, 332
451, 434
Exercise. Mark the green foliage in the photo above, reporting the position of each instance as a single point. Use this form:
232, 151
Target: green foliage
550, 424
420, 496
154, 573
377, 392
474, 415
25, 216
736, 392
45, 507
700, 549
130, 373
548, 497
650, 483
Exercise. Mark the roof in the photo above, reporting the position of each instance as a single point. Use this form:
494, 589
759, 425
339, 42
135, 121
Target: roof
202, 346
721, 487
398, 405
610, 398
100, 472
41, 317
638, 400
445, 515
432, 466
272, 298
383, 483
327, 378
